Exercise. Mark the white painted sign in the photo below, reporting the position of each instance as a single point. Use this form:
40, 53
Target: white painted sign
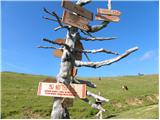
62, 90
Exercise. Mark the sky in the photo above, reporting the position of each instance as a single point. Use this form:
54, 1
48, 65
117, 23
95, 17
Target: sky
23, 30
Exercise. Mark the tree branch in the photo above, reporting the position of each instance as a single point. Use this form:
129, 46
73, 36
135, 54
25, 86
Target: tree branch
96, 28
97, 38
57, 43
49, 19
102, 99
88, 83
83, 2
96, 51
58, 19
47, 47
105, 62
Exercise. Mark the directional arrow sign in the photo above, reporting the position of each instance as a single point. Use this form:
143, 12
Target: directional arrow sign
107, 18
75, 20
77, 9
62, 90
108, 12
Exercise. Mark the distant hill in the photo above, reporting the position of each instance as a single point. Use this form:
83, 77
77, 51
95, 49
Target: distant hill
20, 100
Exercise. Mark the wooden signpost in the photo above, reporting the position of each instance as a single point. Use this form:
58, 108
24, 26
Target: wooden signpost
77, 9
107, 18
62, 90
75, 20
108, 12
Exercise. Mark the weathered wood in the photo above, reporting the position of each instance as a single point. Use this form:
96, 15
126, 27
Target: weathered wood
75, 20
62, 90
108, 12
77, 9
57, 53
105, 62
107, 18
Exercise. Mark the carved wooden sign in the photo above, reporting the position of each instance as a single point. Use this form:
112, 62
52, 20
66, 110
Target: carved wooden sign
107, 18
75, 20
77, 9
58, 53
108, 12
62, 90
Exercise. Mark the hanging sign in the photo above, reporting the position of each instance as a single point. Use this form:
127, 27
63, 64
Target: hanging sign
107, 18
77, 9
108, 12
62, 90
75, 20
59, 40
58, 53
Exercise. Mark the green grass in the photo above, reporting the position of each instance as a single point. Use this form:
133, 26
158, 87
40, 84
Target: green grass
20, 100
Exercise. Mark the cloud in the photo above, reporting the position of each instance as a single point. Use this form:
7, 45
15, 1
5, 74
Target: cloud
147, 55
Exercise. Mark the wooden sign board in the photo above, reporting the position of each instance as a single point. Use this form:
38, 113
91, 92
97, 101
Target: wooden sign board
77, 9
58, 53
107, 18
49, 80
108, 12
75, 20
59, 40
62, 90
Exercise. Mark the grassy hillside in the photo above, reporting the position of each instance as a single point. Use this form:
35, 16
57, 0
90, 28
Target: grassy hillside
20, 100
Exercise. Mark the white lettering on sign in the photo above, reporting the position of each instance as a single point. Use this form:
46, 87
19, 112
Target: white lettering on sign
75, 20
62, 90
108, 12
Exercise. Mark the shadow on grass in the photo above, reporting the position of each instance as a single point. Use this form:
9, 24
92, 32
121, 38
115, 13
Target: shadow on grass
110, 116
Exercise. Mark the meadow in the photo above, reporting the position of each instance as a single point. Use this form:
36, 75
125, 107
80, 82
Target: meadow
19, 98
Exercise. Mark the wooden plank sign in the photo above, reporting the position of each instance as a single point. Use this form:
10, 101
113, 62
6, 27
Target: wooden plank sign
107, 18
62, 90
59, 40
108, 12
75, 20
58, 53
77, 9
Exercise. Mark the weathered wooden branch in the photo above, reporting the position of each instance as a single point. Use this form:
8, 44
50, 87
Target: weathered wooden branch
83, 2
102, 99
47, 47
96, 28
105, 62
96, 51
55, 15
88, 83
49, 19
59, 27
86, 33
97, 38
57, 43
